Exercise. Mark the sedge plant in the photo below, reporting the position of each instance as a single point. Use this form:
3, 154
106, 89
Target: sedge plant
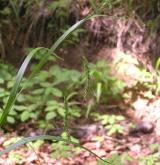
16, 91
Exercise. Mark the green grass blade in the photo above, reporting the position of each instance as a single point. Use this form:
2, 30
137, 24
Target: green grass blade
157, 64
45, 137
59, 41
43, 60
69, 31
15, 88
15, 91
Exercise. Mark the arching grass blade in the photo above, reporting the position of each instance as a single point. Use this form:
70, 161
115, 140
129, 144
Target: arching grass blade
15, 88
46, 137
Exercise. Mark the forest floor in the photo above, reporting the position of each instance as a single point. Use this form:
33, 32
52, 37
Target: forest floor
139, 142
136, 145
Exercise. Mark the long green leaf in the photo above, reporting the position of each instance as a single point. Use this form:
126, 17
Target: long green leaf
15, 91
43, 60
15, 88
46, 137
59, 41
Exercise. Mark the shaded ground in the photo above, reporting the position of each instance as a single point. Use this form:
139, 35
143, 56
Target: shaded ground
134, 145
141, 106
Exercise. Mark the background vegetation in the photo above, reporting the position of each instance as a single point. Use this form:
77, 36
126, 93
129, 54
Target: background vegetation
79, 92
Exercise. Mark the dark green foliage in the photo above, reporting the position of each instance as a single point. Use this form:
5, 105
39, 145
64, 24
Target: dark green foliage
44, 94
45, 97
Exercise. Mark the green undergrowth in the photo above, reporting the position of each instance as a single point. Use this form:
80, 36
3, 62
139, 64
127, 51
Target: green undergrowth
16, 91
53, 93
42, 101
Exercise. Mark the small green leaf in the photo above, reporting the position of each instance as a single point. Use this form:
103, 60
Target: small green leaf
51, 108
13, 112
56, 92
61, 111
10, 119
112, 119
120, 118
20, 107
50, 115
75, 111
43, 75
38, 91
52, 103
45, 84
25, 116
34, 115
